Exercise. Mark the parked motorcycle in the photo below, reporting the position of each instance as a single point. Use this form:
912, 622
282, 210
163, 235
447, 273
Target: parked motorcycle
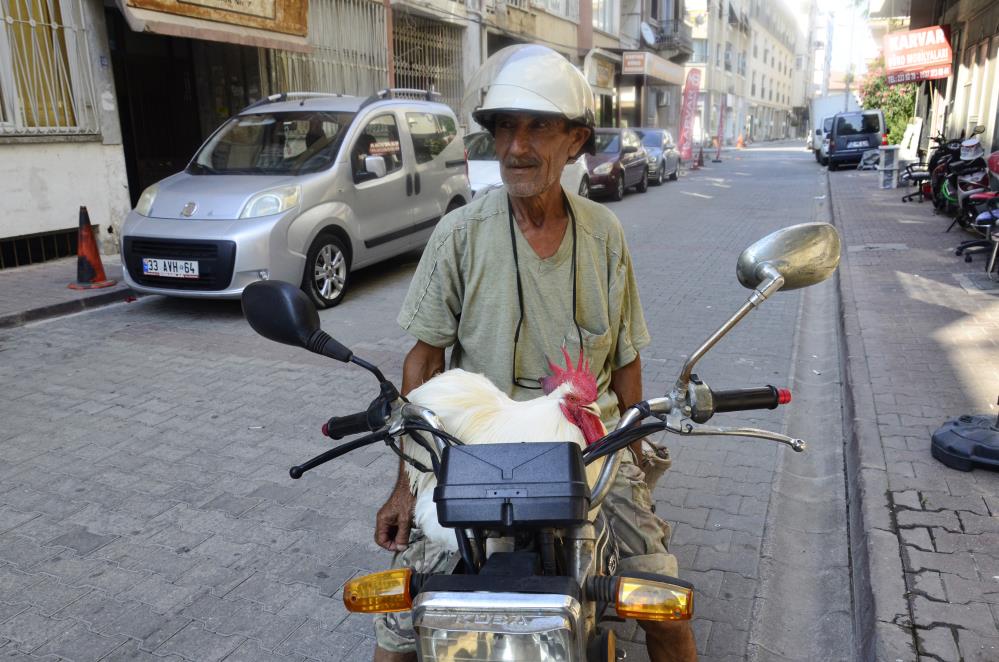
537, 561
943, 163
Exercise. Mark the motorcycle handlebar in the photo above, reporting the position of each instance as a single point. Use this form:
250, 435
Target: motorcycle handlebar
766, 397
297, 471
341, 426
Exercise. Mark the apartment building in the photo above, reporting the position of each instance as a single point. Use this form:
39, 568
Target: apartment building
101, 98
776, 64
970, 96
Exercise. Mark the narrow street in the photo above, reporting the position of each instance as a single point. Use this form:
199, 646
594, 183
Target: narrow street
145, 508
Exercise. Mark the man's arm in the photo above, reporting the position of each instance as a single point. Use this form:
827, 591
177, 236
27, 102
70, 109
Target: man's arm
626, 382
393, 519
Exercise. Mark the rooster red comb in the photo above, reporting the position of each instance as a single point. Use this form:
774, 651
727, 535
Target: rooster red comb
584, 384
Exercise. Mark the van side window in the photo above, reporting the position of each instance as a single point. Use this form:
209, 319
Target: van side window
379, 138
430, 133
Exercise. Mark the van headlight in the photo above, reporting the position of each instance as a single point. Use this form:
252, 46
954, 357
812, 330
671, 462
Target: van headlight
145, 204
603, 169
271, 202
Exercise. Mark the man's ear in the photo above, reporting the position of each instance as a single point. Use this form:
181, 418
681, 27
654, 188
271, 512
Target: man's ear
580, 134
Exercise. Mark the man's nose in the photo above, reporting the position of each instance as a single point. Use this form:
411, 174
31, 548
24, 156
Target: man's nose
520, 140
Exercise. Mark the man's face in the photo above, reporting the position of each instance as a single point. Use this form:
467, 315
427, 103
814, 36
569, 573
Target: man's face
533, 149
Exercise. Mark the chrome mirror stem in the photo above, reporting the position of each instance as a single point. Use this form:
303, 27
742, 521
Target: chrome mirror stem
773, 282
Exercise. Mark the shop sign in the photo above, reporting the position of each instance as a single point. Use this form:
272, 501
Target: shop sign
604, 73
649, 64
286, 16
917, 55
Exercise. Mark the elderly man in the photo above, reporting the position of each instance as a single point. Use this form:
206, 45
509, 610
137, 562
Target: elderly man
514, 276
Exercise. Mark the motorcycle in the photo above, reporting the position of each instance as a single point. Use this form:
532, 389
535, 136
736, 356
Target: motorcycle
536, 571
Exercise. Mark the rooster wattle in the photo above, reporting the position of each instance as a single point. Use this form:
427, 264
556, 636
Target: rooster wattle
475, 411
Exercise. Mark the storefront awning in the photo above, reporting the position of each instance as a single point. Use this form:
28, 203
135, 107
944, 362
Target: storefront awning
660, 70
175, 25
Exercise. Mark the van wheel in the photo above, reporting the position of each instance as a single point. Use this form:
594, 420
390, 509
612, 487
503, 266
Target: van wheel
327, 270
832, 165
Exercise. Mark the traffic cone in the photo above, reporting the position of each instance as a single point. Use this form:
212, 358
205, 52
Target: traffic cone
700, 158
739, 144
89, 269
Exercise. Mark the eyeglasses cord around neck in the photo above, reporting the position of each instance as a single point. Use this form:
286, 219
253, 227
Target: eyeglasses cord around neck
535, 384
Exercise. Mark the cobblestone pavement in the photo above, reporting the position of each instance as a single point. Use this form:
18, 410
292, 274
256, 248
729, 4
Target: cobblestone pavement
145, 509
923, 347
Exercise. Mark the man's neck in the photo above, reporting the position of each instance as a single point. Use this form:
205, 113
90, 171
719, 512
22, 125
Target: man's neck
542, 220
539, 210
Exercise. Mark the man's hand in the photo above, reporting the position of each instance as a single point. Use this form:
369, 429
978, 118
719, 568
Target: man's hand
392, 523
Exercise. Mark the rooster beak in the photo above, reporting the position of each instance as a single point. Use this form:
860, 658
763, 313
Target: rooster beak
593, 408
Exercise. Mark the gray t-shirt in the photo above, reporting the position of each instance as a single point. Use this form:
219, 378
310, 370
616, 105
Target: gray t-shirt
464, 293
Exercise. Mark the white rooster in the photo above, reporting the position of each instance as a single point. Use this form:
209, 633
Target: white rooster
475, 411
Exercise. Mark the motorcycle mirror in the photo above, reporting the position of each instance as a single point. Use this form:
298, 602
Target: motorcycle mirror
281, 312
804, 255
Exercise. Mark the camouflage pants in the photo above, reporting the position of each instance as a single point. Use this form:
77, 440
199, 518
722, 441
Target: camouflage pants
642, 540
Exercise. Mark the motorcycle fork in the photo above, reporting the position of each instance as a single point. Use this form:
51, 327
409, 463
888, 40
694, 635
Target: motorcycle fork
580, 545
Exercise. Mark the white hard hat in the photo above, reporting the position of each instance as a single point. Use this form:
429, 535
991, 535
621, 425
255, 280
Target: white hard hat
972, 149
529, 78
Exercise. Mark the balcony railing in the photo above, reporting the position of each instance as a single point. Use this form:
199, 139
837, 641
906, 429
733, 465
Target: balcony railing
677, 36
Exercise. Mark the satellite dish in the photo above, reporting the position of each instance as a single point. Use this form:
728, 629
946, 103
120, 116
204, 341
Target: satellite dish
648, 34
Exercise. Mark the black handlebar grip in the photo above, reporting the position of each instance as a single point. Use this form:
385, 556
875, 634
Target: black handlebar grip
342, 426
767, 397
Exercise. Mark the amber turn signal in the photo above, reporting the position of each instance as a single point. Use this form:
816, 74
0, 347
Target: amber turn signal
379, 592
648, 600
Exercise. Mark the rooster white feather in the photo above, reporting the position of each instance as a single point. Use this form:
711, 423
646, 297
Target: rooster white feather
475, 411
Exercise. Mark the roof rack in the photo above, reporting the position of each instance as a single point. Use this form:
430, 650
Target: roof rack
286, 96
402, 93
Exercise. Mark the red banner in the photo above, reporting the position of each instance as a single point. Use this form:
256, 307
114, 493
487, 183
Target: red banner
917, 55
687, 112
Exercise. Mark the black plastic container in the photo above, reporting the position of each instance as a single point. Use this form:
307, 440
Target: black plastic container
538, 484
967, 442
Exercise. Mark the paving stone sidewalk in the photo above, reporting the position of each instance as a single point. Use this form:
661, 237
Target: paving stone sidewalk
922, 344
39, 291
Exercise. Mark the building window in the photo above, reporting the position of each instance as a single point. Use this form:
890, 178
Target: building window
606, 14
717, 55
45, 84
700, 51
728, 56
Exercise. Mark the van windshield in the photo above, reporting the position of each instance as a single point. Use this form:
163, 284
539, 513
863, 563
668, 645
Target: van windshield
827, 124
857, 123
273, 144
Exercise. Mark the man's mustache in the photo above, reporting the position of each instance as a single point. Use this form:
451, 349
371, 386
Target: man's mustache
521, 163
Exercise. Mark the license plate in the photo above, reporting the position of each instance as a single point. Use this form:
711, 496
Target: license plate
857, 143
155, 266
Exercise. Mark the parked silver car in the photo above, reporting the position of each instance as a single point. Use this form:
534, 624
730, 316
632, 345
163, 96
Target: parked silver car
664, 160
299, 187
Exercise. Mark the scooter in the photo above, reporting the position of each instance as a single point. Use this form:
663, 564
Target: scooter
536, 571
942, 164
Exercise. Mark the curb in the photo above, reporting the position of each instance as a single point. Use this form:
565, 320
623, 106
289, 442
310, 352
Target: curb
881, 611
12, 320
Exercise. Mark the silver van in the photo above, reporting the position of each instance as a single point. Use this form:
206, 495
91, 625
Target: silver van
299, 187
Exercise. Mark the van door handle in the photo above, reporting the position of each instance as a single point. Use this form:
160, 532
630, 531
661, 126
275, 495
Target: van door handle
417, 189
409, 184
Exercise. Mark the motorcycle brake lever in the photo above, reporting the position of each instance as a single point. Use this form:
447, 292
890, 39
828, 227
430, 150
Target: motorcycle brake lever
688, 429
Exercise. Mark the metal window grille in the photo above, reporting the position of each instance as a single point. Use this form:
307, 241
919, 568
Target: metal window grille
428, 55
46, 86
345, 58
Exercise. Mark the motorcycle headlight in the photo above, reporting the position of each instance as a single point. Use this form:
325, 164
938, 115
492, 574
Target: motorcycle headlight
603, 169
550, 646
271, 202
145, 204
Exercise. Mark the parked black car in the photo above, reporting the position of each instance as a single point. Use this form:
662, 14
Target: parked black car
620, 162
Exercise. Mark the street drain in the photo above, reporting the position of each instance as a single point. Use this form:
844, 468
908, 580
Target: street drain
977, 282
864, 248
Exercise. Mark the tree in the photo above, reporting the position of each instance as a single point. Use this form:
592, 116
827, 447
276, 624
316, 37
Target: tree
897, 102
